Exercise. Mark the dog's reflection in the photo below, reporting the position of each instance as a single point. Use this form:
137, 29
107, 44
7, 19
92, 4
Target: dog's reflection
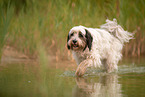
104, 86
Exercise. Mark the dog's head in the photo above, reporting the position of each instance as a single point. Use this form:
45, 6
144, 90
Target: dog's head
79, 38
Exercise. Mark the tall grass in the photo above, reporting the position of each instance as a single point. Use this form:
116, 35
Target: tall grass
132, 17
5, 19
48, 23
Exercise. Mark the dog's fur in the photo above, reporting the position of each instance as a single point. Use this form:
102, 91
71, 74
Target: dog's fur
97, 47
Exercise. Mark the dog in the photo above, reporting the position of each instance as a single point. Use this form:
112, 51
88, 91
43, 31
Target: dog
97, 47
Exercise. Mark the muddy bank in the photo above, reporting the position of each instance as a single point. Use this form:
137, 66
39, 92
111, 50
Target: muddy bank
11, 55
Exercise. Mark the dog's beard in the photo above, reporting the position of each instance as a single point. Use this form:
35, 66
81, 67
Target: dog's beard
75, 46
78, 46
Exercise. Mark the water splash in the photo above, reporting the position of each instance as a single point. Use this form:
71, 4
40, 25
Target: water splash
123, 69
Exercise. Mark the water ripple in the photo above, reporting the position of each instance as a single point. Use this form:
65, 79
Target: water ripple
123, 69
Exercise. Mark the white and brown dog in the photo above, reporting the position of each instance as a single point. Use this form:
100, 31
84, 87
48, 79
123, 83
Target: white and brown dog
97, 47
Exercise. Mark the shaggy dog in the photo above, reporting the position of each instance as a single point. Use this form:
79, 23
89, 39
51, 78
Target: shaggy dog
97, 47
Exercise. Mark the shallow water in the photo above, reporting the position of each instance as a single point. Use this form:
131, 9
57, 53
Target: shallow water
34, 80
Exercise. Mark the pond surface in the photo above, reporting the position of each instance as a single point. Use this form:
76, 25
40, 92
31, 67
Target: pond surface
36, 80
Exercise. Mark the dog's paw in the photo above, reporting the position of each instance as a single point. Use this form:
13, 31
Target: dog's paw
82, 68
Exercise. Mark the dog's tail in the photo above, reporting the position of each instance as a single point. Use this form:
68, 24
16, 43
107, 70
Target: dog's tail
117, 30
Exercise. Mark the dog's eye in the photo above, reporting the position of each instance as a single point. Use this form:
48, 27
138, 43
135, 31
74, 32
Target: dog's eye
80, 35
72, 34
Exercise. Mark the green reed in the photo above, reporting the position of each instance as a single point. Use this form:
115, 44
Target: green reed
5, 19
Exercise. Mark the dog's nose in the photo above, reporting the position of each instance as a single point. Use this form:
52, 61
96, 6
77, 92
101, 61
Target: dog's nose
74, 41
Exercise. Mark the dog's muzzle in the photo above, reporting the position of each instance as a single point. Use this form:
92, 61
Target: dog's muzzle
74, 44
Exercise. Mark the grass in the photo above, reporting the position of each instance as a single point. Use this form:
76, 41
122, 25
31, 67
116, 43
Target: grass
5, 19
132, 18
47, 23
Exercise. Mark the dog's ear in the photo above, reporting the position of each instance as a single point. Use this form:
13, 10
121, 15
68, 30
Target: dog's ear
67, 41
89, 39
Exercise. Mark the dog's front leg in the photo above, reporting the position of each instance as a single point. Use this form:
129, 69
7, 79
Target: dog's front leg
82, 67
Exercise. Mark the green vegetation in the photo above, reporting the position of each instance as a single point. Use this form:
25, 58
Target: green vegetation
5, 19
46, 23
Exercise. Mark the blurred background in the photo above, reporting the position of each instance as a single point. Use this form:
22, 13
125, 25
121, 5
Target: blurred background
33, 26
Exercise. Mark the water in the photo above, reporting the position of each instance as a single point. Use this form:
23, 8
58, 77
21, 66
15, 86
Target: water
33, 80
